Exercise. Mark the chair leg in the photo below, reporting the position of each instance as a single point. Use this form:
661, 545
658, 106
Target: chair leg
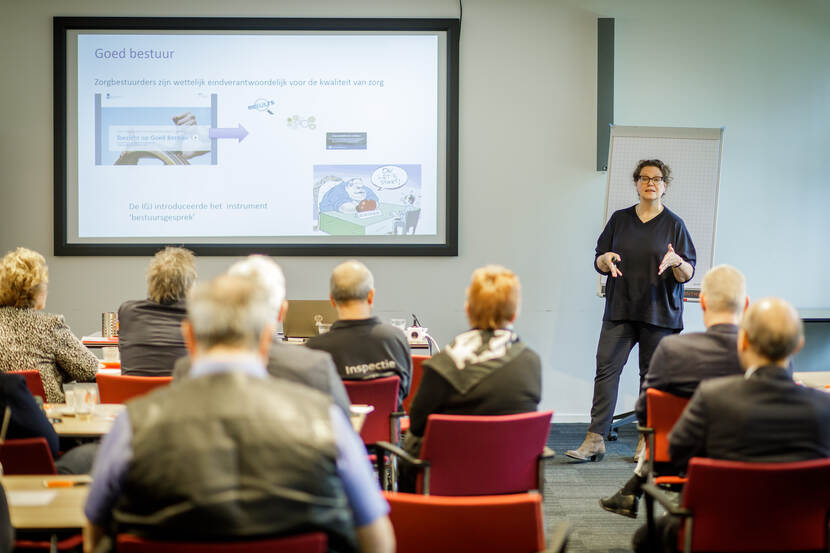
652, 532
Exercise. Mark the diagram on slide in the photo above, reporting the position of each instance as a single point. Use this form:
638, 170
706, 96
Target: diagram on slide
354, 200
182, 133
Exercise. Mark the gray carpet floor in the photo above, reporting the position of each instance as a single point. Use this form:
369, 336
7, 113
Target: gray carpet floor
573, 490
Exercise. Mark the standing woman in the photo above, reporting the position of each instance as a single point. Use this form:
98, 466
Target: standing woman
647, 254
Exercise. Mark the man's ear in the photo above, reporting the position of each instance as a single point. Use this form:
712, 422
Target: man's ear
283, 311
746, 304
370, 299
702, 299
265, 339
743, 341
189, 338
331, 300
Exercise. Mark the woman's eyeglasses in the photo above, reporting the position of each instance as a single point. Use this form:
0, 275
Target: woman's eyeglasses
654, 180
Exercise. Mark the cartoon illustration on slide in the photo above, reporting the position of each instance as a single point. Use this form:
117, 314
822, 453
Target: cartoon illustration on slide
406, 219
350, 196
366, 199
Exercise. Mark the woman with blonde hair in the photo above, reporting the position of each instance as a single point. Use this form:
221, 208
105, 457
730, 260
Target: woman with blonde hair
484, 371
149, 335
32, 339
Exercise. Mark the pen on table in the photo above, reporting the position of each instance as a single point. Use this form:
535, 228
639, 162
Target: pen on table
64, 483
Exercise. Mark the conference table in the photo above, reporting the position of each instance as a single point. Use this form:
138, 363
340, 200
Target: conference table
68, 424
813, 379
33, 506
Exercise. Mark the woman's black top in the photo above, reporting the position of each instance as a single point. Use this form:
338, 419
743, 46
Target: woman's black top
640, 294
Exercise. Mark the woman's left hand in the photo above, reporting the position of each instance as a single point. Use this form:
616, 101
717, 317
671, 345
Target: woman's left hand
670, 261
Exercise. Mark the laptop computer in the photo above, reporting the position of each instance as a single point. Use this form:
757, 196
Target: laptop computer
303, 315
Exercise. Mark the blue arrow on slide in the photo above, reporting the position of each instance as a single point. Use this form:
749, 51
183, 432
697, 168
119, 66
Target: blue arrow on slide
238, 132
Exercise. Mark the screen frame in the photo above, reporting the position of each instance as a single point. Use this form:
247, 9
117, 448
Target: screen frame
61, 27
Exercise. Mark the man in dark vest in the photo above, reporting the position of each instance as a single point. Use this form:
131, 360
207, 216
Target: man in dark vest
232, 453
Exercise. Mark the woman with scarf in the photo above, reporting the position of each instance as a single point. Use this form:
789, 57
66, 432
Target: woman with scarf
484, 371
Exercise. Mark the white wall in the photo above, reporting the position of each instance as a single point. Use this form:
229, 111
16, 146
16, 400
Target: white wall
761, 70
529, 195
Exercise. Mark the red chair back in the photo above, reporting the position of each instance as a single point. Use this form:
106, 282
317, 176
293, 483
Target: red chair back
382, 393
27, 456
484, 524
304, 543
417, 373
474, 455
662, 411
71, 543
758, 506
33, 382
116, 388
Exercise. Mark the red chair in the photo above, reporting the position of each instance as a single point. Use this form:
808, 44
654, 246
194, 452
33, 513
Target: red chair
27, 456
734, 506
71, 543
662, 411
477, 455
113, 388
417, 373
484, 524
382, 393
303, 543
33, 382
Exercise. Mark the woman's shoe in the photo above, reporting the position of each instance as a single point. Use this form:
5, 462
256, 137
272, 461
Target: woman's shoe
592, 449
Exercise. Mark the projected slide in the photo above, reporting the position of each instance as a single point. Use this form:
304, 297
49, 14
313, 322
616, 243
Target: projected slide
260, 138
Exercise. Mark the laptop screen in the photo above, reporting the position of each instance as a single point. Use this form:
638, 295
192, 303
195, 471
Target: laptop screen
303, 315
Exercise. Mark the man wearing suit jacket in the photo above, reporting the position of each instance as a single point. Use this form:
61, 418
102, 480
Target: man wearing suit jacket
299, 364
761, 415
682, 361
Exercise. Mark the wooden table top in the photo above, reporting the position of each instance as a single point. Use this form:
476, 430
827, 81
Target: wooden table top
64, 511
100, 423
813, 379
75, 426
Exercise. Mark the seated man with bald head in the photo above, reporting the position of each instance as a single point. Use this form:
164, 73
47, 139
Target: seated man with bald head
682, 361
363, 348
760, 415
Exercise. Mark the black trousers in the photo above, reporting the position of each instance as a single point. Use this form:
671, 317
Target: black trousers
616, 340
666, 528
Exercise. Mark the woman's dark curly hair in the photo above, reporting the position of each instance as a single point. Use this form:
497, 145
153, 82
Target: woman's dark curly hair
653, 163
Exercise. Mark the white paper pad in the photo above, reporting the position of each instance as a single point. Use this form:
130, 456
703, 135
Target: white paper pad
31, 498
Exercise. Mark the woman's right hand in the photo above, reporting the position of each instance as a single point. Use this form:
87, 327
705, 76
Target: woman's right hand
607, 262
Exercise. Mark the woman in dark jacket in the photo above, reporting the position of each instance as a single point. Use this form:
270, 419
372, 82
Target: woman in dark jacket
484, 371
